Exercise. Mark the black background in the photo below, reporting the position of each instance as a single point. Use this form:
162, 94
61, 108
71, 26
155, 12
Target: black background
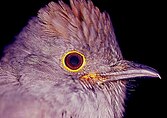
140, 30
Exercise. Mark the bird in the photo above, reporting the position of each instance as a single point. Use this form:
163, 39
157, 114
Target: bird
66, 63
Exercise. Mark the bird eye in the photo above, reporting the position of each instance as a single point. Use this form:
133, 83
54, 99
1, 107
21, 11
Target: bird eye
73, 61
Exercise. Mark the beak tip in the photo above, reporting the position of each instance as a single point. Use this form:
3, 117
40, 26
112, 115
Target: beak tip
154, 72
151, 72
155, 75
158, 75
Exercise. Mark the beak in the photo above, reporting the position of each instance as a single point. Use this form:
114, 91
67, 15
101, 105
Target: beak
126, 70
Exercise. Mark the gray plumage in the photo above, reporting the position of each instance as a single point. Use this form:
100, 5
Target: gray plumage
34, 83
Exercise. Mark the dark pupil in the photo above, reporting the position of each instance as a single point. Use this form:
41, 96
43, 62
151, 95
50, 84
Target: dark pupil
74, 61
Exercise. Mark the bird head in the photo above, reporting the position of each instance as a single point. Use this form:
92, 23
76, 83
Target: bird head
79, 45
84, 45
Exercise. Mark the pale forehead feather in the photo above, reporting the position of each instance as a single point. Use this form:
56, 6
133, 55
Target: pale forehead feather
61, 20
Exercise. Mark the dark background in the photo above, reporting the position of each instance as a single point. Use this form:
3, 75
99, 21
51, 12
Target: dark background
140, 30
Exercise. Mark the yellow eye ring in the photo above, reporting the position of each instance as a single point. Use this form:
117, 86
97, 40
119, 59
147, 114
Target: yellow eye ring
73, 61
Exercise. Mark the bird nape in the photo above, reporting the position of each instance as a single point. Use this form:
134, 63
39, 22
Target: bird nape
66, 63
